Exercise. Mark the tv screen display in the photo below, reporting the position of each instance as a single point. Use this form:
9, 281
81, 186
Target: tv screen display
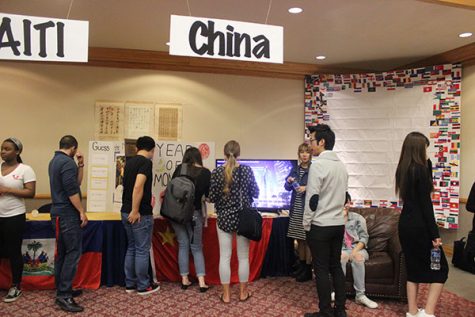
270, 176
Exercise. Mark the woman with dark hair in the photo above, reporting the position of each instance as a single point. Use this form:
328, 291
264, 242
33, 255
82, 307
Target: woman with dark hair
233, 187
190, 235
418, 231
17, 181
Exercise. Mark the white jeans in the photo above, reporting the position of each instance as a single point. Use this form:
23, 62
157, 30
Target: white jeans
225, 250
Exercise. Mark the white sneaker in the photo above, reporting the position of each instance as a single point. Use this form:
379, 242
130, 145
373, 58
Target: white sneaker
333, 296
13, 294
418, 314
363, 300
422, 313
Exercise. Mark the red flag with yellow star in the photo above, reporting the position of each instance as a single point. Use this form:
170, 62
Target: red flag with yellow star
165, 252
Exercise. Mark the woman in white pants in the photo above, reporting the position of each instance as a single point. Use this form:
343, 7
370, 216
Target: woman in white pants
233, 187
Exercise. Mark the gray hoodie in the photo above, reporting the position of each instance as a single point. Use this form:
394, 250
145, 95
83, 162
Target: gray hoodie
327, 178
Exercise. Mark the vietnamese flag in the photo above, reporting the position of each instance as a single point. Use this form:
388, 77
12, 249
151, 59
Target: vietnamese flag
165, 252
38, 255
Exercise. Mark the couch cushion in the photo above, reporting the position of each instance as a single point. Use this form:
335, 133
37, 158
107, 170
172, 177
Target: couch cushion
382, 225
379, 266
378, 269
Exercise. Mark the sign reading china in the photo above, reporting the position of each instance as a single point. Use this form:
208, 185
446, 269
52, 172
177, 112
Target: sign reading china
43, 39
225, 39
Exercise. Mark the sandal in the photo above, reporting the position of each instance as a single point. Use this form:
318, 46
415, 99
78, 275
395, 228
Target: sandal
249, 295
221, 297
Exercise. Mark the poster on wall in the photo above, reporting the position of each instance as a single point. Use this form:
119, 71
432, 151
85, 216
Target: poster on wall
106, 163
105, 174
109, 121
168, 122
168, 155
139, 119
371, 115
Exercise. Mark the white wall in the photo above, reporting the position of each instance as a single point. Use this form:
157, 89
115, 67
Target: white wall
40, 103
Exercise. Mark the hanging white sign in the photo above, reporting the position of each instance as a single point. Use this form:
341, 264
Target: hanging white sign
43, 39
225, 39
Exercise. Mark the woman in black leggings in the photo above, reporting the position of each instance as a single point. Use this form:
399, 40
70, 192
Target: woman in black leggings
17, 181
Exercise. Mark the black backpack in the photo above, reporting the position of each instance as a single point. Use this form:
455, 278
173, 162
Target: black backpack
178, 203
464, 253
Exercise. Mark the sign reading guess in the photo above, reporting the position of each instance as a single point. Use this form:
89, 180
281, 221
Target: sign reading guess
215, 38
43, 39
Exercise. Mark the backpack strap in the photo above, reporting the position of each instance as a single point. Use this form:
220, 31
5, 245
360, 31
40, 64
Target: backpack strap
184, 170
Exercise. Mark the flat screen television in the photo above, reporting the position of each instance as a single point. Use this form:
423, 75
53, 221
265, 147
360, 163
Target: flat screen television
270, 176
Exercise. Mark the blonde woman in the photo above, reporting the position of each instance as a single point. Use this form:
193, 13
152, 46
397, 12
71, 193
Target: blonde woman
296, 182
233, 187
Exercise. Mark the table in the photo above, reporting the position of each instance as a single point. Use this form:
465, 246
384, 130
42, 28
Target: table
272, 256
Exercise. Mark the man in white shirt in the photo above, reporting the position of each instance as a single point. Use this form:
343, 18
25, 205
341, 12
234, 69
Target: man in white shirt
324, 221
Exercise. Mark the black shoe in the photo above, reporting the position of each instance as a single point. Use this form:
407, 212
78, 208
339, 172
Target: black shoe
149, 290
77, 292
296, 265
317, 314
69, 305
185, 286
339, 313
305, 275
204, 289
298, 270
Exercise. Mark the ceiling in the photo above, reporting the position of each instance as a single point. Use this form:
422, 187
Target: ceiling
362, 34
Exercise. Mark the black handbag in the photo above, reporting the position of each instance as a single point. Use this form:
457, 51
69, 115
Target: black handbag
464, 253
250, 220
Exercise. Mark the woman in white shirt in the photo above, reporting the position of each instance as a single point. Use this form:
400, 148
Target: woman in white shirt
17, 181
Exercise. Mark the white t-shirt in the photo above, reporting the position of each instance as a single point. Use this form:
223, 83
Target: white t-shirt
11, 205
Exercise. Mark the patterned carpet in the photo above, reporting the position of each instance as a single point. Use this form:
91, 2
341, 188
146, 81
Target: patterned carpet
271, 297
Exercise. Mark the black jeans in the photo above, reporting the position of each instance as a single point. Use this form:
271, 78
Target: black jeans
11, 235
68, 253
325, 245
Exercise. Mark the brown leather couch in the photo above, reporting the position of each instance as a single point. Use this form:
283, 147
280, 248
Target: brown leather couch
385, 269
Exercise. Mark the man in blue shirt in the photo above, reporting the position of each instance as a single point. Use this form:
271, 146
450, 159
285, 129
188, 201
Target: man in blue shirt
68, 217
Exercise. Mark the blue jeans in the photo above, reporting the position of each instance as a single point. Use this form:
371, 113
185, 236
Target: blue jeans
357, 267
190, 237
69, 250
137, 257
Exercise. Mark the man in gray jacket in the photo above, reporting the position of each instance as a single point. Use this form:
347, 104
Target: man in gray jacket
324, 221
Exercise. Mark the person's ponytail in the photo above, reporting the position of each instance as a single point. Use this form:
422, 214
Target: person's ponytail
228, 173
232, 150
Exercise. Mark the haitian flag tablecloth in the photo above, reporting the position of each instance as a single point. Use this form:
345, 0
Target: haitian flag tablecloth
38, 256
165, 250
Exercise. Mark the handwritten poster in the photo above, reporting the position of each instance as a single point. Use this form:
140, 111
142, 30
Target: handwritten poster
140, 119
109, 121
